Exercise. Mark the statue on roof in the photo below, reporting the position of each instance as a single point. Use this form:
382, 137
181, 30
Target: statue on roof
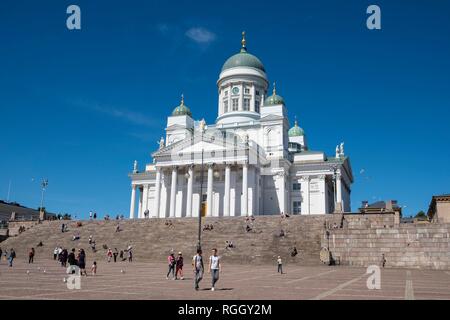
337, 151
135, 166
202, 125
341, 149
161, 143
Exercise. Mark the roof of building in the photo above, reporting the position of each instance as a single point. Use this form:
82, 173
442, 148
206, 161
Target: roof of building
274, 99
243, 59
7, 208
182, 109
295, 131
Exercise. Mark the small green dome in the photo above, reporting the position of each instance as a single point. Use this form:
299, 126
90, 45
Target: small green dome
274, 99
296, 131
243, 59
182, 110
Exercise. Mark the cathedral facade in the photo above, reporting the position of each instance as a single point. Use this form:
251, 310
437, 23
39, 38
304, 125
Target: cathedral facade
249, 162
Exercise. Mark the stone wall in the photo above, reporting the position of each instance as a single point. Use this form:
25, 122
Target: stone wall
366, 238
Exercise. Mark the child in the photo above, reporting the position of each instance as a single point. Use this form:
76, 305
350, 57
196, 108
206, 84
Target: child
94, 268
280, 265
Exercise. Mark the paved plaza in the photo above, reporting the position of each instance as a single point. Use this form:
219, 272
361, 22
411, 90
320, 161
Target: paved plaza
142, 280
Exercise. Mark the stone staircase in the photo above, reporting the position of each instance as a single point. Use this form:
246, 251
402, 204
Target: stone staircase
152, 240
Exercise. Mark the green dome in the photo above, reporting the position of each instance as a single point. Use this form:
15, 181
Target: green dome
182, 110
274, 99
295, 131
243, 59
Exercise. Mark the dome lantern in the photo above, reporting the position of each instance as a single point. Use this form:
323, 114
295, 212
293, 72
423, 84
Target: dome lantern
182, 110
243, 58
296, 131
274, 99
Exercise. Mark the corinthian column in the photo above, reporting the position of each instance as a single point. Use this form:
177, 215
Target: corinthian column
173, 192
157, 192
209, 191
189, 191
133, 201
245, 189
226, 198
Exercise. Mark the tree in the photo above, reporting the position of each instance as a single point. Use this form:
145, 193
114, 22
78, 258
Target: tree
421, 215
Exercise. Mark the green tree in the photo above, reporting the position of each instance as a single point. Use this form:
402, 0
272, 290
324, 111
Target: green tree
421, 215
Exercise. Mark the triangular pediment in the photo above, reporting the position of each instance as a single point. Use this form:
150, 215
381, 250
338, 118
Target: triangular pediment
209, 141
272, 117
175, 127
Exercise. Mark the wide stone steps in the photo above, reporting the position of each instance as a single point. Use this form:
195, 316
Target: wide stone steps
153, 240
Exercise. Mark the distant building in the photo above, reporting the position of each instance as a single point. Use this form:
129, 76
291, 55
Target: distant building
439, 209
378, 207
14, 211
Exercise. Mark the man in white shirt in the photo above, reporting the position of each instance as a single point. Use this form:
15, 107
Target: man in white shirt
214, 267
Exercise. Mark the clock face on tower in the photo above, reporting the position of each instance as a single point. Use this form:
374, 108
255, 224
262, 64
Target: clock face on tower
235, 90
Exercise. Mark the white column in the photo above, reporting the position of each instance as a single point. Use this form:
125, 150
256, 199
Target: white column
189, 191
145, 200
209, 192
257, 191
283, 204
173, 192
339, 193
133, 201
253, 98
245, 189
226, 197
141, 191
241, 98
157, 193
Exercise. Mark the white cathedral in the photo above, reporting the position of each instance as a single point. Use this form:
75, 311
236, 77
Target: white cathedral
249, 162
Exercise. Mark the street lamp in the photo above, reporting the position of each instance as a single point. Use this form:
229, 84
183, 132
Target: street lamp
199, 244
44, 185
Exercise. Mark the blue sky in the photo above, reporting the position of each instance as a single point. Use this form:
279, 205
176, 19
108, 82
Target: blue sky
78, 107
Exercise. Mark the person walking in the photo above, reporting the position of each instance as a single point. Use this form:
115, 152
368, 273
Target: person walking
63, 256
197, 264
94, 268
55, 253
90, 215
171, 261
280, 265
12, 256
31, 256
130, 255
115, 253
82, 261
71, 258
109, 255
179, 266
214, 268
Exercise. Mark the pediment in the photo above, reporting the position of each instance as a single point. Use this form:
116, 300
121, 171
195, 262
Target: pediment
272, 117
207, 142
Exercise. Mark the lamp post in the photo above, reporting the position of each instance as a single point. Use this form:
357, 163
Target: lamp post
199, 244
44, 185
